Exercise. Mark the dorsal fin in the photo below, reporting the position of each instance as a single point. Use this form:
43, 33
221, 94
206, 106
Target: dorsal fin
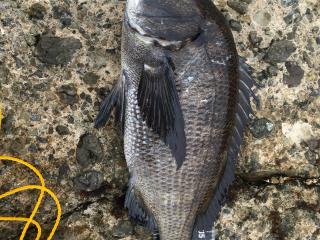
204, 222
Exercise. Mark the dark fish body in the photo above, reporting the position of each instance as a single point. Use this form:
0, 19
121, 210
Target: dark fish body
183, 100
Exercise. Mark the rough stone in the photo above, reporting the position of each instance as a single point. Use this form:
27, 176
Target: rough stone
4, 74
7, 21
261, 127
273, 70
123, 229
68, 94
57, 51
262, 18
312, 157
280, 51
314, 144
62, 130
238, 6
64, 169
254, 39
235, 25
296, 73
63, 14
293, 17
90, 78
288, 3
19, 62
142, 232
8, 122
88, 181
37, 11
89, 150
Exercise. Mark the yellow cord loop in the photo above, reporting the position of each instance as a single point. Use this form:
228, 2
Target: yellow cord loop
42, 188
21, 219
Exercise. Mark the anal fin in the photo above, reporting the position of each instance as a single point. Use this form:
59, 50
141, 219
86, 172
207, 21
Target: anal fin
138, 213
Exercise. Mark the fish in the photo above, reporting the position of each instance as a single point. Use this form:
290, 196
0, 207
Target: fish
183, 102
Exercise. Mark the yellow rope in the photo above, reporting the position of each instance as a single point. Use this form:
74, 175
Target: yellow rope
21, 219
35, 209
54, 197
42, 189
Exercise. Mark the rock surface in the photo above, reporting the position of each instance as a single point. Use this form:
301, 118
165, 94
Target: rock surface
55, 50
58, 60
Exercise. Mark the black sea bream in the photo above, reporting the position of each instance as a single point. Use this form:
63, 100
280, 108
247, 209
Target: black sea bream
183, 101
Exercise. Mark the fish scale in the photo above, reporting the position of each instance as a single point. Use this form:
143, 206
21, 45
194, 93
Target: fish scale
171, 194
182, 113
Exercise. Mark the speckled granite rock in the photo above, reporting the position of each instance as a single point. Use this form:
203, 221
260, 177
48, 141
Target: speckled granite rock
51, 95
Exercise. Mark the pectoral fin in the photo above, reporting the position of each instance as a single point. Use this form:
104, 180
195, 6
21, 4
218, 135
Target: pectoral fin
115, 100
160, 107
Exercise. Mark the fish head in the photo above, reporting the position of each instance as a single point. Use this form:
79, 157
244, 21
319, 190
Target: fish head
170, 20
